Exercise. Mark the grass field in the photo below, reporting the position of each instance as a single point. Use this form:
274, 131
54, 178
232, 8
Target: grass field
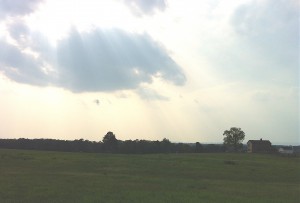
35, 176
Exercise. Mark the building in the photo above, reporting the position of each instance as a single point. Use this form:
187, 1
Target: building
286, 150
259, 146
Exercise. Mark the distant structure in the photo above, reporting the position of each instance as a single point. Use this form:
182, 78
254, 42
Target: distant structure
288, 150
259, 146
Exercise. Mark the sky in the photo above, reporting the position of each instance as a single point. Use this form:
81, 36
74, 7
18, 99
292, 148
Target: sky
182, 70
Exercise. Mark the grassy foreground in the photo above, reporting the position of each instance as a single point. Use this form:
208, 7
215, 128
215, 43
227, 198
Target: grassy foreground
34, 176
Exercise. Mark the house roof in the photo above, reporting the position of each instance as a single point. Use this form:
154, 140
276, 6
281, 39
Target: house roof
259, 141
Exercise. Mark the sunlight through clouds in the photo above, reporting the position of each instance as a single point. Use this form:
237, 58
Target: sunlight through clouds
185, 70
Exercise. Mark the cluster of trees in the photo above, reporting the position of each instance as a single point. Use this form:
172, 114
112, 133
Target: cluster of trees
110, 144
232, 142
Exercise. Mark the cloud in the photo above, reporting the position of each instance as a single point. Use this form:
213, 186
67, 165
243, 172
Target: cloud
263, 46
272, 28
29, 58
17, 7
142, 7
97, 102
20, 66
108, 60
94, 61
18, 29
150, 94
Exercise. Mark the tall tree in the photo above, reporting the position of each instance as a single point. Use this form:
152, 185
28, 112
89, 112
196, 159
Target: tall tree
233, 138
198, 147
110, 142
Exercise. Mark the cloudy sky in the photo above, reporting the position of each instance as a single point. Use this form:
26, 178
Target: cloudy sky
184, 70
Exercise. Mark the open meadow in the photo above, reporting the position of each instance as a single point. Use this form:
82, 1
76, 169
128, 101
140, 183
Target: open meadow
40, 176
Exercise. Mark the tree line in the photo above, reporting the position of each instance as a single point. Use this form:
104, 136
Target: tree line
110, 144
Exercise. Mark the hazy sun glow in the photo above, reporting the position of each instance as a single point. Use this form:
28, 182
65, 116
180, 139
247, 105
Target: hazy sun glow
84, 15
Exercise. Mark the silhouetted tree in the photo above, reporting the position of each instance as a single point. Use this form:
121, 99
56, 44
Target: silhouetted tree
110, 142
183, 148
213, 148
166, 145
233, 139
198, 147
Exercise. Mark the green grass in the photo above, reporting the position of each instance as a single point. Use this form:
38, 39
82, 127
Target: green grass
35, 176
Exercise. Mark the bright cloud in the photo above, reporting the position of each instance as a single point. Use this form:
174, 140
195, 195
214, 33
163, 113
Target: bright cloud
93, 60
141, 7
